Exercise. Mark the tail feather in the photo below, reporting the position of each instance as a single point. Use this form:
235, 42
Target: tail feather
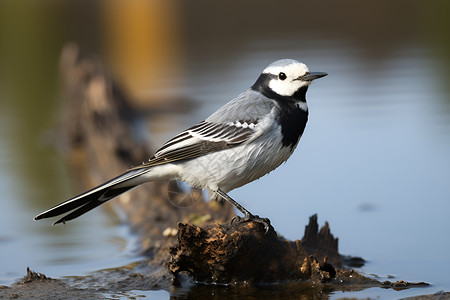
84, 208
94, 197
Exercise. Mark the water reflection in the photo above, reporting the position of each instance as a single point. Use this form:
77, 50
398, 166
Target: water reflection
378, 134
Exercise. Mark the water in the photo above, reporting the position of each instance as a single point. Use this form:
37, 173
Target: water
374, 160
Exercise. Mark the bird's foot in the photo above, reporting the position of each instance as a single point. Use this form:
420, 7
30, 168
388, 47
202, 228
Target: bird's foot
264, 221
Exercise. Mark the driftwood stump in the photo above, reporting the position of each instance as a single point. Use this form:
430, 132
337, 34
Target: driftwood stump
244, 252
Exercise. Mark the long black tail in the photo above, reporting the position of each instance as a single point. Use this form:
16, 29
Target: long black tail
86, 201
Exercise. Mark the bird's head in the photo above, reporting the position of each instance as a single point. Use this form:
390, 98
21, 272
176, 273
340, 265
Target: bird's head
285, 78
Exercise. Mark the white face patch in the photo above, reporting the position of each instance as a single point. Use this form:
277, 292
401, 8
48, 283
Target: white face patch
288, 86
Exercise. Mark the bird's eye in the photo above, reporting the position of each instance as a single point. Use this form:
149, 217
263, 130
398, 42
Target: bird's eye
282, 76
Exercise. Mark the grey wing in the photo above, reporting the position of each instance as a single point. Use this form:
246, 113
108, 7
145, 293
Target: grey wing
235, 123
201, 139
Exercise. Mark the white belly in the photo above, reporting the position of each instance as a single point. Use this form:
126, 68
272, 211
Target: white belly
234, 167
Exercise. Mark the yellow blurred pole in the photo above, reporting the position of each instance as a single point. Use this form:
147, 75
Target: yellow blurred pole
142, 44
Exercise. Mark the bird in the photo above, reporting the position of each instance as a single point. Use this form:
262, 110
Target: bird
240, 142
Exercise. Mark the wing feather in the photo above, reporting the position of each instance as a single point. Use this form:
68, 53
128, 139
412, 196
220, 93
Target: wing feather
201, 139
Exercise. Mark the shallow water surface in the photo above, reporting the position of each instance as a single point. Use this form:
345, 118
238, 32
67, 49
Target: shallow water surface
374, 160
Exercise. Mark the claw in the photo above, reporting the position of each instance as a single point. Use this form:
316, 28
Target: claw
264, 221
236, 219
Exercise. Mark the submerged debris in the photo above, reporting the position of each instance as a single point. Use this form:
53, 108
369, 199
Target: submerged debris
243, 254
34, 276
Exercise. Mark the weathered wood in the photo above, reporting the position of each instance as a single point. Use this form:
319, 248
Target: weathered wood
244, 252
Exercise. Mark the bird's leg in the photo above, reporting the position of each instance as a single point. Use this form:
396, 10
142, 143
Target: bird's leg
230, 200
248, 215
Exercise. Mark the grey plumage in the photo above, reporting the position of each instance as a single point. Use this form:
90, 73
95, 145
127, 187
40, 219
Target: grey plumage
249, 106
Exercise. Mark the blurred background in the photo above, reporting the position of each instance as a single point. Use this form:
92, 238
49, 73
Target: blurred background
374, 160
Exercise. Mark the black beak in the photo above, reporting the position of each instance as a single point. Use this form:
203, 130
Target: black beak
310, 76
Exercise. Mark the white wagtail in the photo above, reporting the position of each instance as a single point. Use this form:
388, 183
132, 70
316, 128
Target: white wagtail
242, 141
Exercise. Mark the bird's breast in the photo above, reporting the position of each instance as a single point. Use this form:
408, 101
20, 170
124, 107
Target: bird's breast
292, 119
